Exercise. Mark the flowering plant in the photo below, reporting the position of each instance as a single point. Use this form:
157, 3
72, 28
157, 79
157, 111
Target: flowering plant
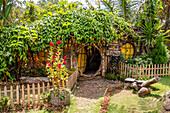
56, 67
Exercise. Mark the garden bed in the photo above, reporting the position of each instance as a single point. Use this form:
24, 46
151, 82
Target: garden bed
72, 79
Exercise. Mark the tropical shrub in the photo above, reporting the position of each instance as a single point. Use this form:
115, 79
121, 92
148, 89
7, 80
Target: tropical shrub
159, 53
143, 59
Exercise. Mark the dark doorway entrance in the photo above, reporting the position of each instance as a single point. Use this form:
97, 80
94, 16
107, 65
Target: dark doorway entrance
92, 58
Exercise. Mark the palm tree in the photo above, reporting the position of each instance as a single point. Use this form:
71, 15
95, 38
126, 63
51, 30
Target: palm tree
123, 8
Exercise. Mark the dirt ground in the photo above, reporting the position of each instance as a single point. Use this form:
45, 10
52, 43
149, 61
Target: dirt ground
92, 89
89, 94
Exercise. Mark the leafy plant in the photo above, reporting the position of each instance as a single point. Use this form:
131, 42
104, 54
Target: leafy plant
143, 59
110, 76
159, 53
56, 66
4, 104
62, 97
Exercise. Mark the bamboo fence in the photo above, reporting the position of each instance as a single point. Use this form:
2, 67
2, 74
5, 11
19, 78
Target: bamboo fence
25, 94
144, 71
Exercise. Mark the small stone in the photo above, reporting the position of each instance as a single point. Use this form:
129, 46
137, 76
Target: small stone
166, 104
130, 80
167, 95
143, 91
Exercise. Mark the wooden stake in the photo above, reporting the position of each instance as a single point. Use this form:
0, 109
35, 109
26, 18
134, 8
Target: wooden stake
5, 91
11, 92
33, 91
17, 93
38, 93
23, 95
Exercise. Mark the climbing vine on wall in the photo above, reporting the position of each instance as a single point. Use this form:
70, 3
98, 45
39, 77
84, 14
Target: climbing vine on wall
86, 26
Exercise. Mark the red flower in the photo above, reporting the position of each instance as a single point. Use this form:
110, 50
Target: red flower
64, 62
49, 64
59, 65
54, 56
57, 53
69, 73
51, 44
65, 57
53, 60
75, 45
58, 42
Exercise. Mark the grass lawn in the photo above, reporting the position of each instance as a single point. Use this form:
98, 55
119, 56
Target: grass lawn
125, 101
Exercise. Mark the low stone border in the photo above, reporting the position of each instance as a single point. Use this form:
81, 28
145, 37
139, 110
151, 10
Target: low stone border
104, 105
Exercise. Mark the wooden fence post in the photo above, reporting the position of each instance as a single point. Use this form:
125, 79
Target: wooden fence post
140, 72
23, 95
163, 69
160, 70
152, 71
17, 93
11, 94
38, 93
28, 94
143, 71
33, 91
5, 91
136, 75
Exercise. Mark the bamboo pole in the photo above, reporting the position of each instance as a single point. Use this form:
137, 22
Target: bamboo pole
33, 91
38, 93
23, 95
149, 70
17, 93
5, 91
11, 96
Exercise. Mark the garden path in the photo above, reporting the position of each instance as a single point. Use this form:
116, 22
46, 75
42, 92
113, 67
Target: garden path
88, 95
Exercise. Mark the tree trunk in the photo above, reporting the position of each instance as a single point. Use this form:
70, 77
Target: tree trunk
151, 81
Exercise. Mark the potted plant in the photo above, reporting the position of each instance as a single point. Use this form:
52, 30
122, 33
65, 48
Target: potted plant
58, 76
